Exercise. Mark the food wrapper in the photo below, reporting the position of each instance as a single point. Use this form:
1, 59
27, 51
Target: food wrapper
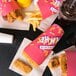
19, 64
42, 46
49, 7
19, 61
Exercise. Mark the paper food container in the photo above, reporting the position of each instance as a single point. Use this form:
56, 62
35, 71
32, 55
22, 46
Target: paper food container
49, 7
36, 72
22, 66
32, 16
63, 63
42, 46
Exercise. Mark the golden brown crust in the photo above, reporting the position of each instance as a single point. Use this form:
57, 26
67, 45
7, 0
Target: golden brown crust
54, 63
59, 61
12, 16
30, 61
64, 74
19, 18
22, 66
63, 63
9, 18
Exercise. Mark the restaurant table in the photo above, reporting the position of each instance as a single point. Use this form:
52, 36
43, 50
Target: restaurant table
8, 51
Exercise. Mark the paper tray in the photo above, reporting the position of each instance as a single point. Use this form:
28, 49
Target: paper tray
23, 25
35, 72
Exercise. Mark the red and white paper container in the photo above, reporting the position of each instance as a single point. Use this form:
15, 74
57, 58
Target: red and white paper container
49, 7
42, 46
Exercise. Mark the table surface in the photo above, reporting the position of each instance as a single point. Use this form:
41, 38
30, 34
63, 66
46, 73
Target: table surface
7, 51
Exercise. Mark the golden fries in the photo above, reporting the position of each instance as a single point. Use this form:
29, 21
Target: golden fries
34, 18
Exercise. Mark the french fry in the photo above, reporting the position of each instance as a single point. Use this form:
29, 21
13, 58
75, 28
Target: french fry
13, 14
34, 18
19, 64
28, 13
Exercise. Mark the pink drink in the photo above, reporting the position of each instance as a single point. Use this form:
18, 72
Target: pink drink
71, 63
